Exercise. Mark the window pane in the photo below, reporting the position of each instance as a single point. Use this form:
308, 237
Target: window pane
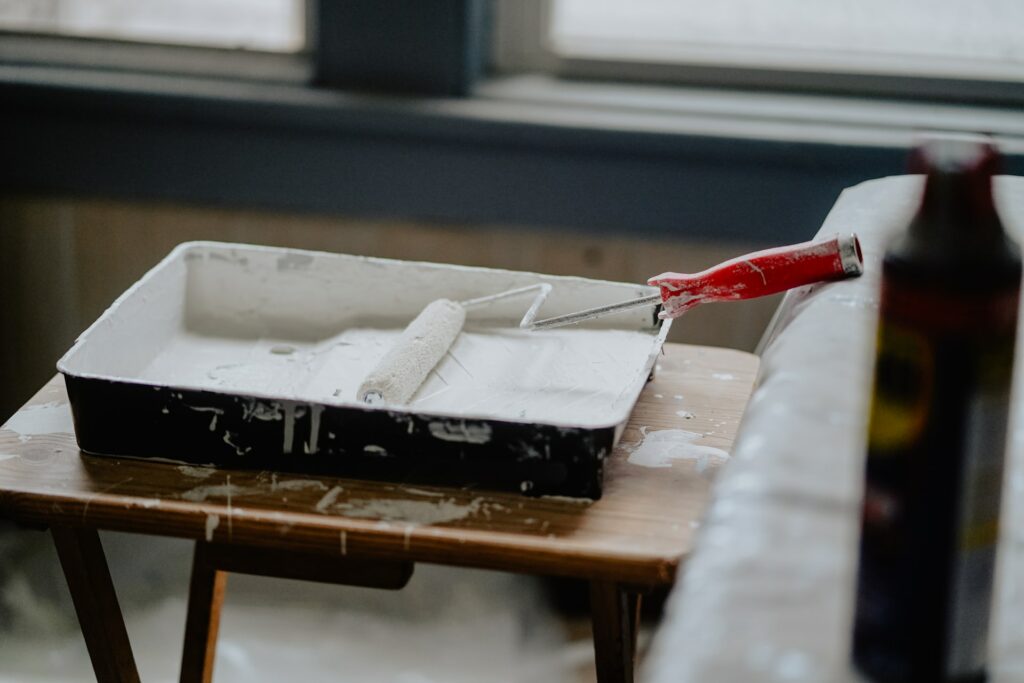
266, 25
976, 38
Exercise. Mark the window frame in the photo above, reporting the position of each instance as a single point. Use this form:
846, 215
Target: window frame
523, 43
534, 152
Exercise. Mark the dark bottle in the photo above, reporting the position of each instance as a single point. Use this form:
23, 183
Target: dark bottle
937, 435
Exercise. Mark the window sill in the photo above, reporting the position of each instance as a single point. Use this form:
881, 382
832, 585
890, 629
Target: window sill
527, 150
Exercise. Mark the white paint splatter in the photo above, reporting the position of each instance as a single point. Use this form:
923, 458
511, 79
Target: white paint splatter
678, 397
660, 448
685, 414
206, 409
48, 418
202, 493
265, 412
328, 499
212, 522
296, 484
724, 376
8, 456
376, 450
424, 512
196, 472
422, 492
569, 499
461, 432
757, 270
344, 543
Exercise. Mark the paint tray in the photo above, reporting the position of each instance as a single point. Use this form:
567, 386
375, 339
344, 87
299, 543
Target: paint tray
250, 357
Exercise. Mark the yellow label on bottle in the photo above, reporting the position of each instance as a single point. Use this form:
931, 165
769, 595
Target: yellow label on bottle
904, 374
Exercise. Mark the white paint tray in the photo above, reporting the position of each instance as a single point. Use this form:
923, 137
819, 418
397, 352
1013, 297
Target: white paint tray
247, 356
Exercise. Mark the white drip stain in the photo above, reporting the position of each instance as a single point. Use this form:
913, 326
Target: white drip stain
344, 543
227, 439
289, 428
212, 522
314, 428
570, 499
661, 448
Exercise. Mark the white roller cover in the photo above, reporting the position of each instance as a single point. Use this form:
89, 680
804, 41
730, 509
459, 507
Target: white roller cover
422, 344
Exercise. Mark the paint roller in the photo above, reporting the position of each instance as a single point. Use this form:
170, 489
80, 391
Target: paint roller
429, 336
425, 341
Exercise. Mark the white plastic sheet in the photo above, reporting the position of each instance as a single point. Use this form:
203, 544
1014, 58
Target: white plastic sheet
768, 593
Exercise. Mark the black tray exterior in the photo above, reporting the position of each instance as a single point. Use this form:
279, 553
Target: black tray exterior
242, 432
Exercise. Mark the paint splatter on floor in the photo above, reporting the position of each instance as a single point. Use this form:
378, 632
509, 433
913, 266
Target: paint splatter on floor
447, 626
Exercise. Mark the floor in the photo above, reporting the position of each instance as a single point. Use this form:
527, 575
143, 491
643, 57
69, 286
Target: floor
447, 626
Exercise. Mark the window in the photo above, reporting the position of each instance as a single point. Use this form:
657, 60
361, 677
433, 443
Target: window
944, 49
259, 25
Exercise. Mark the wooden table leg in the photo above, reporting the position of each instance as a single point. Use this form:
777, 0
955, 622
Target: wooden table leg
615, 613
205, 596
92, 591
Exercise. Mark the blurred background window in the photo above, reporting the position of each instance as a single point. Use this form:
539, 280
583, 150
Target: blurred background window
978, 40
258, 25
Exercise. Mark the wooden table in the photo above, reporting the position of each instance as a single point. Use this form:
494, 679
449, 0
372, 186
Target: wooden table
370, 533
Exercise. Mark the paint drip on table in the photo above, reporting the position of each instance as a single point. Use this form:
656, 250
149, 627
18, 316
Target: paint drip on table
663, 447
39, 420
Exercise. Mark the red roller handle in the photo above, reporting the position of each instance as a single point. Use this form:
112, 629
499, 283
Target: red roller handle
761, 273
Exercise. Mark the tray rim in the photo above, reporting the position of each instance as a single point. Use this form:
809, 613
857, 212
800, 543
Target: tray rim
179, 251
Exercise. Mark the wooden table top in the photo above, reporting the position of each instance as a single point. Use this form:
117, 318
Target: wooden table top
637, 533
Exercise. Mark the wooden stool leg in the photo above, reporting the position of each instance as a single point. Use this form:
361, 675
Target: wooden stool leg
92, 591
615, 613
205, 595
